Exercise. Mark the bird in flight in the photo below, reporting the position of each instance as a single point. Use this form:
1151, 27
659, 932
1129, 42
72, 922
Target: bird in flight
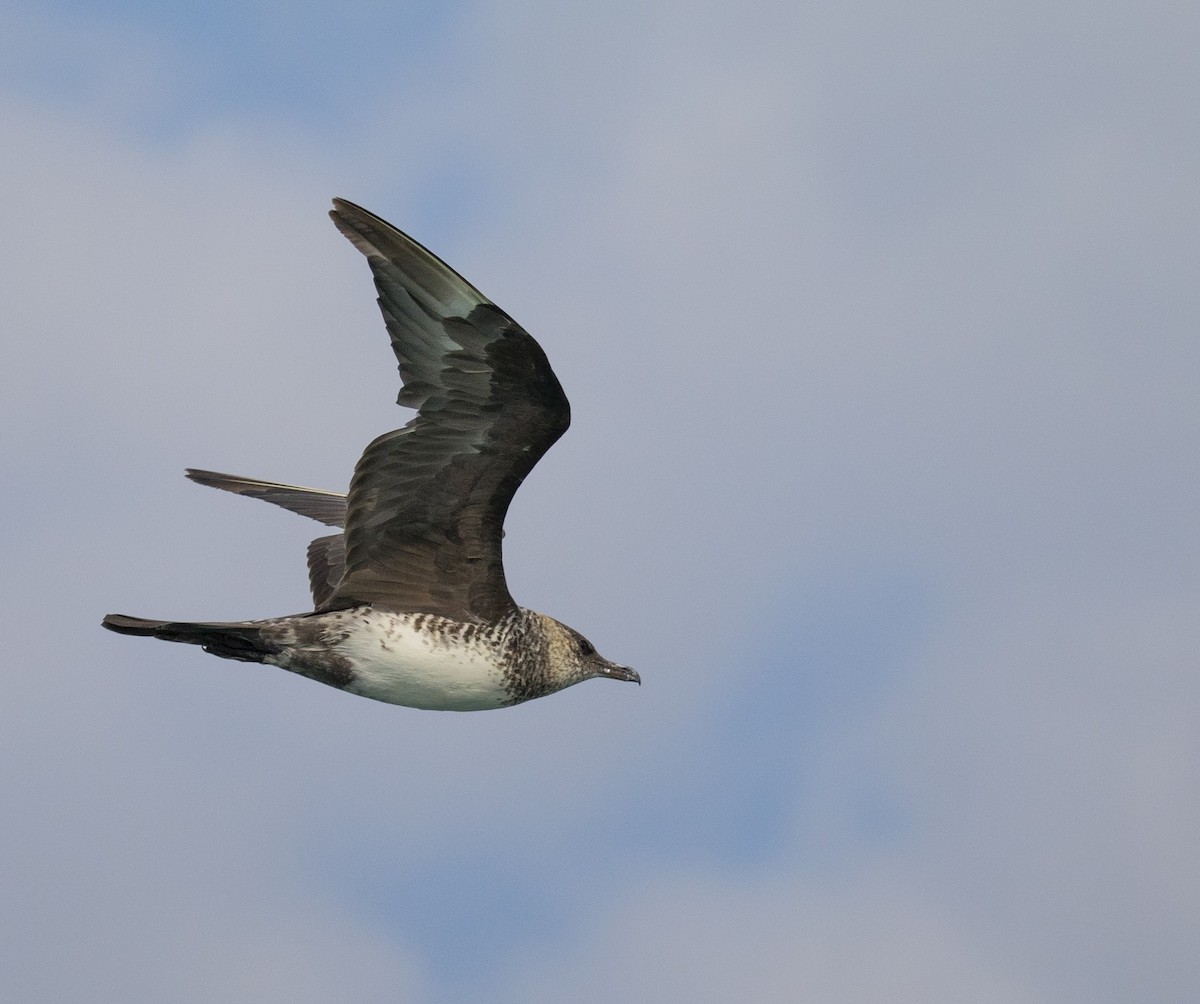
410, 601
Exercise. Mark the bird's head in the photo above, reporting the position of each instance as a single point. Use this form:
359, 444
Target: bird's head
574, 659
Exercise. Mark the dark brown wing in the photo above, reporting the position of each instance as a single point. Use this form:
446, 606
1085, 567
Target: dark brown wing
326, 565
427, 502
325, 507
326, 555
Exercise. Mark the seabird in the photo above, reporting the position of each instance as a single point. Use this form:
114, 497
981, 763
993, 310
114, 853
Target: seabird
410, 604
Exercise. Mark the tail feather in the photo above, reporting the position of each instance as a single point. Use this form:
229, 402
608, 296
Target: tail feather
242, 641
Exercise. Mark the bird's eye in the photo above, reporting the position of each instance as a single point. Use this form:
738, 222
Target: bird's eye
586, 647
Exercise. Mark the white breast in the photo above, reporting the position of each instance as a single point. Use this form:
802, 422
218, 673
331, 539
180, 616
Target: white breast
434, 668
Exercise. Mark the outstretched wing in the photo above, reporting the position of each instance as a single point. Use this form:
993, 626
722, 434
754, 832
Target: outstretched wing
326, 555
325, 507
427, 502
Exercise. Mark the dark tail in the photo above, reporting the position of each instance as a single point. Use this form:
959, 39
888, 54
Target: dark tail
244, 642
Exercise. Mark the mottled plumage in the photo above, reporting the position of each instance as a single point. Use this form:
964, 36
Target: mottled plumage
410, 601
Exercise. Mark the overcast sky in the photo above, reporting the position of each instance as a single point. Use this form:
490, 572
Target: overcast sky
879, 327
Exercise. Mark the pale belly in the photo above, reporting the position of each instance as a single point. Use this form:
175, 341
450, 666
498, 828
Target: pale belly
388, 659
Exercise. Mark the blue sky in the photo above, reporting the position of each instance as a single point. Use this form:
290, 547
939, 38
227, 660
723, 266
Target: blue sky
232, 59
878, 329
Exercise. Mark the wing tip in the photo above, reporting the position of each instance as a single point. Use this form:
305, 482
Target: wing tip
342, 208
203, 477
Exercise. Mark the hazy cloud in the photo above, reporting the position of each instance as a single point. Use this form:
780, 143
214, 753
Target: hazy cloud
878, 330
